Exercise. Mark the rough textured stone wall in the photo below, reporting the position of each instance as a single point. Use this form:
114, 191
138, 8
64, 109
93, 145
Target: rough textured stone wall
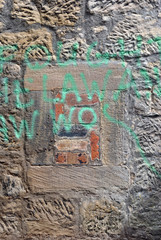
80, 119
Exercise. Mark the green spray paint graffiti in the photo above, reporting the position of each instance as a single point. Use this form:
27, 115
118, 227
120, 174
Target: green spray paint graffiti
95, 88
72, 59
37, 66
3, 129
9, 58
18, 91
98, 59
103, 59
24, 127
69, 80
62, 119
134, 136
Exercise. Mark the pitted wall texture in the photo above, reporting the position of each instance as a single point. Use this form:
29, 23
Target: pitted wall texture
80, 120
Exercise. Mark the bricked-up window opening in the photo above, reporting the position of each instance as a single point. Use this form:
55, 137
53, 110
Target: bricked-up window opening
77, 131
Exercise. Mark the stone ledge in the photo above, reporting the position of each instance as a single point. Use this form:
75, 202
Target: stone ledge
56, 178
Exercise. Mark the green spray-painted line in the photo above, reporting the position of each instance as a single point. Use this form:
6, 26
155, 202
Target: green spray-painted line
123, 86
24, 125
72, 59
37, 66
116, 95
95, 88
124, 53
4, 129
69, 79
158, 41
18, 91
8, 58
62, 118
105, 58
102, 58
132, 133
148, 83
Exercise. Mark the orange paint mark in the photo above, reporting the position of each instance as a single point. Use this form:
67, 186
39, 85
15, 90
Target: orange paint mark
60, 158
82, 158
94, 146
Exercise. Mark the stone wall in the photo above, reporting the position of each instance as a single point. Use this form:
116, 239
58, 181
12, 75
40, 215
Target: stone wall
80, 120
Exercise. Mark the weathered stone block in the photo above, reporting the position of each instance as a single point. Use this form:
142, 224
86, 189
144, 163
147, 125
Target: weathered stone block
1, 4
10, 219
49, 216
13, 186
49, 179
51, 13
144, 206
149, 137
114, 137
56, 75
17, 44
100, 217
